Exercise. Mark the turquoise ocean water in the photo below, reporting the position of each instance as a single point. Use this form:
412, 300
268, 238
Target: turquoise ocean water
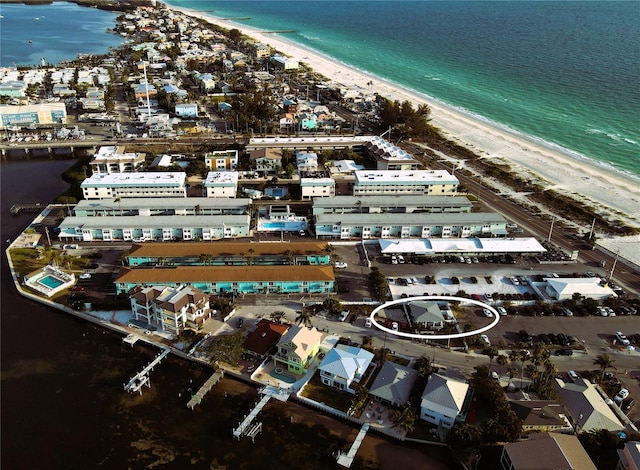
564, 72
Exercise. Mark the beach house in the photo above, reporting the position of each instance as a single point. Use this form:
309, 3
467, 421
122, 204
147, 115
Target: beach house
344, 366
444, 401
297, 348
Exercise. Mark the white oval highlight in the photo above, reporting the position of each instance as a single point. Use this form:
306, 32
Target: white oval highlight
448, 298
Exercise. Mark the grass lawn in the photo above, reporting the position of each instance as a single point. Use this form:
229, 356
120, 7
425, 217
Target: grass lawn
317, 391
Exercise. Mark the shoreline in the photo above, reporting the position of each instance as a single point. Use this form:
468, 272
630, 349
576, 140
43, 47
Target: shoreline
582, 178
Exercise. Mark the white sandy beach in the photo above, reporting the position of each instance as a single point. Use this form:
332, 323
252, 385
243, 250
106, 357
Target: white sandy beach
584, 179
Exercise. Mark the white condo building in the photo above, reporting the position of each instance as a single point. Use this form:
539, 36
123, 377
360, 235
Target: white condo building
399, 182
112, 159
135, 184
220, 184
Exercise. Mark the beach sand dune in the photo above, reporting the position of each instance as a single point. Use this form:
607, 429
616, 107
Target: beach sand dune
599, 186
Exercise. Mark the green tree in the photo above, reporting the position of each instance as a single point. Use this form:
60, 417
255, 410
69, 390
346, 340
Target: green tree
463, 439
423, 366
404, 418
332, 306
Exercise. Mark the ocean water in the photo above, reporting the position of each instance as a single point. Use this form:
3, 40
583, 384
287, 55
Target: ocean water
562, 72
57, 32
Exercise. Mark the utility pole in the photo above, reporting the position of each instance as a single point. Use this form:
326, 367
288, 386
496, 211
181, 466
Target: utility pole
46, 230
613, 267
551, 228
593, 224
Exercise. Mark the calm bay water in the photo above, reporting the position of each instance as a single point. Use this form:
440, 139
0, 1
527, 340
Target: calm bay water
57, 32
562, 72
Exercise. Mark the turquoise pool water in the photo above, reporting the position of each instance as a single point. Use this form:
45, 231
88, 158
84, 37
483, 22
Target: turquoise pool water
280, 374
50, 281
289, 226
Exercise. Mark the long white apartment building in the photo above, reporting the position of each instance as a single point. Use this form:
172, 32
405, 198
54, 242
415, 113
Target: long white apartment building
113, 159
220, 184
398, 182
135, 184
161, 207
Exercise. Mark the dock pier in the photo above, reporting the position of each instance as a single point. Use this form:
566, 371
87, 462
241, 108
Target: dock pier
346, 460
142, 377
208, 385
22, 208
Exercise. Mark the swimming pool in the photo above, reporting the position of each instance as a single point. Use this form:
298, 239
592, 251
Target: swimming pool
50, 281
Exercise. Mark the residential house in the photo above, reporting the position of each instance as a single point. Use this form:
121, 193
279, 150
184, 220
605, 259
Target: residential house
266, 160
264, 338
189, 110
444, 401
586, 407
546, 451
541, 415
307, 162
427, 315
344, 366
173, 308
297, 348
629, 456
393, 384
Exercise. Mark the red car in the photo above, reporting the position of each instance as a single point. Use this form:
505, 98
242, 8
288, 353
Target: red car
77, 289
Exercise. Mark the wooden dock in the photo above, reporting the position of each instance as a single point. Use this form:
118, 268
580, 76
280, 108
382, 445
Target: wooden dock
208, 385
20, 208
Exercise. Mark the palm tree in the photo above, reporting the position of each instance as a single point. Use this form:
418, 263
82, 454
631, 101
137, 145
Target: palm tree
511, 372
289, 255
304, 317
276, 316
423, 366
492, 352
502, 361
251, 253
405, 418
604, 362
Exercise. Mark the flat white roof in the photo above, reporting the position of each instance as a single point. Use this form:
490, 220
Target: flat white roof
400, 176
316, 182
427, 246
135, 179
221, 178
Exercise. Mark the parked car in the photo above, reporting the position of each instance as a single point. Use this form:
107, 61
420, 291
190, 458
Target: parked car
487, 313
564, 352
340, 265
621, 395
485, 340
394, 326
84, 276
367, 322
572, 375
343, 315
622, 338
502, 311
627, 404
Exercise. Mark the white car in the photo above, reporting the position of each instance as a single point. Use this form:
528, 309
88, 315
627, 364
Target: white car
394, 326
400, 259
487, 313
502, 311
485, 340
343, 315
621, 395
340, 265
367, 322
622, 338
84, 276
514, 280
